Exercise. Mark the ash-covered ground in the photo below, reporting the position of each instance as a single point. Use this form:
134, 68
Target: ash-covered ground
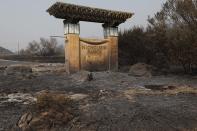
112, 101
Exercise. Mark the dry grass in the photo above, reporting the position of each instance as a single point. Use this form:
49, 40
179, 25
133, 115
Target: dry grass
143, 91
48, 100
181, 90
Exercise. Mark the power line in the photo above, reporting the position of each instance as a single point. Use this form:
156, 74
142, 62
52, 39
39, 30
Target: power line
58, 36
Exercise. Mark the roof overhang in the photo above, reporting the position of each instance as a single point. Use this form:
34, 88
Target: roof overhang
75, 13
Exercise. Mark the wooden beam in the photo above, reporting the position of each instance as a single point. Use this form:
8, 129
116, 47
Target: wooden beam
82, 13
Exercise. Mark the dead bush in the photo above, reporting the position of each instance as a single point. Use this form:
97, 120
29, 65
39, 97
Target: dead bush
51, 110
53, 100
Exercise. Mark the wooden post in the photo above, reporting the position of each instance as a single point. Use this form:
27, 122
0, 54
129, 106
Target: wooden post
111, 33
73, 53
72, 47
113, 53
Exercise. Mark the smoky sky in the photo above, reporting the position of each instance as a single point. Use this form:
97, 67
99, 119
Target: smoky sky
22, 21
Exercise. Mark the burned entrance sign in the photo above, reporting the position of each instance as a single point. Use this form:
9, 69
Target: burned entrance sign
94, 55
89, 54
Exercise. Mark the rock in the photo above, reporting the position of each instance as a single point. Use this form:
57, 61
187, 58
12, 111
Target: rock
82, 76
124, 69
78, 97
141, 70
18, 69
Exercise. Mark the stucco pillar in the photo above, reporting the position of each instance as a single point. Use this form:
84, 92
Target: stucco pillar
111, 33
72, 46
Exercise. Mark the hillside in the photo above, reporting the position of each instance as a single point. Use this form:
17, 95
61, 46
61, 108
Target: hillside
4, 51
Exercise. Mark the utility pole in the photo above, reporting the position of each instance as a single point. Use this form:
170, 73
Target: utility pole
18, 48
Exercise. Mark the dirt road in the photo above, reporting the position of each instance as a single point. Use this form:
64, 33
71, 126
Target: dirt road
9, 62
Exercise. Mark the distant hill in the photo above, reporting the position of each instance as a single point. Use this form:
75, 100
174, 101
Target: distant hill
4, 51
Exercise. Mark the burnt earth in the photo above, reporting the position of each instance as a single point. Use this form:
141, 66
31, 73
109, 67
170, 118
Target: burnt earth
112, 102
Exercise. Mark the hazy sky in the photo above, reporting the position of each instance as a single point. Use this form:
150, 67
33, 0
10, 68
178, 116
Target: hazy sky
26, 20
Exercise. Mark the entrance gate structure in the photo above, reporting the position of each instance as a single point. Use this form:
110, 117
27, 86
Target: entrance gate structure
89, 54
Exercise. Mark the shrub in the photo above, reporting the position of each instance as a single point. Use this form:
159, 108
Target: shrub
50, 111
